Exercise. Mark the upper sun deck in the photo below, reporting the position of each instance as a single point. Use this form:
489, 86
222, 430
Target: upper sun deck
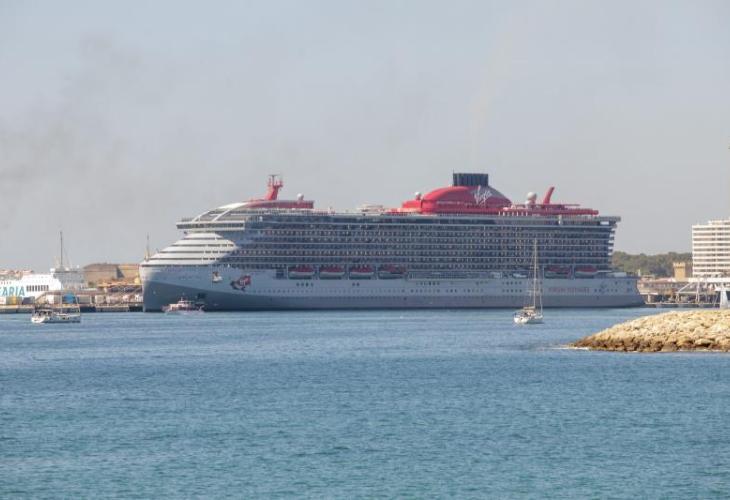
470, 196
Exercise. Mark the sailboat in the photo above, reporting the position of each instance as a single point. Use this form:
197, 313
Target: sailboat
68, 311
532, 314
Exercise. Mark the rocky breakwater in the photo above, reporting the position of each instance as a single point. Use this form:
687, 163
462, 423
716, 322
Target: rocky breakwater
699, 330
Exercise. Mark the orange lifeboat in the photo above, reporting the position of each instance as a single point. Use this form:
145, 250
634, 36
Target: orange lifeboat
302, 272
361, 272
585, 272
331, 272
557, 272
389, 271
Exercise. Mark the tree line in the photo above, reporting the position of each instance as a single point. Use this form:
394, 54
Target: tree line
659, 265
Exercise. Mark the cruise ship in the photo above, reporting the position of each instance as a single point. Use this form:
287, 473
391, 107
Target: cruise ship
462, 246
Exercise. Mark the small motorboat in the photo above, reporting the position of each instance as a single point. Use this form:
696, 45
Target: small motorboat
183, 306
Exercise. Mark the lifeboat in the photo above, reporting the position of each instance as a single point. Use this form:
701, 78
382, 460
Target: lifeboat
361, 272
331, 272
302, 272
389, 271
557, 272
585, 272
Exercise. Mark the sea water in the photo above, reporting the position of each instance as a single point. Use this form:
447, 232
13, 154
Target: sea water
355, 404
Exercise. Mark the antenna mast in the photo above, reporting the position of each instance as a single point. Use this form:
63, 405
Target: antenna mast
534, 274
61, 261
274, 185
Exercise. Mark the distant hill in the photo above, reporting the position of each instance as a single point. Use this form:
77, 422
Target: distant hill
659, 265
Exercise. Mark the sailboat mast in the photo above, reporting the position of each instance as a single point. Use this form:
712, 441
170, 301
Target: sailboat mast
534, 274
61, 260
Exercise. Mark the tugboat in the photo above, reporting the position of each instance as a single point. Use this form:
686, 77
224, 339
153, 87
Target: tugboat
183, 306
68, 311
532, 314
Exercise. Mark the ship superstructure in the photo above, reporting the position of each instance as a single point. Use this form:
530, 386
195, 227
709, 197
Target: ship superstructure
466, 245
27, 284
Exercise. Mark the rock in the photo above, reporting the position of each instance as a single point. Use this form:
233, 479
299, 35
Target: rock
723, 345
685, 342
655, 345
669, 347
668, 332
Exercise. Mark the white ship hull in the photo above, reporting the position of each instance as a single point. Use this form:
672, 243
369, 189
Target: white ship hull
29, 285
32, 285
165, 285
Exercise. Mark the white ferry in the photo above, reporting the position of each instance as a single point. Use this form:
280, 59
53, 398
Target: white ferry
27, 284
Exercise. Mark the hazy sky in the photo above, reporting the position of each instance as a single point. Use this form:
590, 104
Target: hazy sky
119, 118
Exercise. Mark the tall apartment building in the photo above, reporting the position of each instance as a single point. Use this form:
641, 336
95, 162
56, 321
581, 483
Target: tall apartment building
711, 249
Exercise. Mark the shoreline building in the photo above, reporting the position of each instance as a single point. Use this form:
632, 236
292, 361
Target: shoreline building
106, 273
711, 249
